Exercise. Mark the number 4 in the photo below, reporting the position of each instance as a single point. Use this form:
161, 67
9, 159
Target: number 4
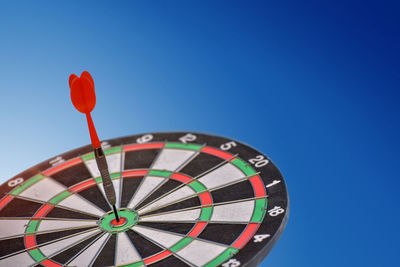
260, 238
231, 263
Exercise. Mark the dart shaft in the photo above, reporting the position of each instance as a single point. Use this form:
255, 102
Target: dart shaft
105, 175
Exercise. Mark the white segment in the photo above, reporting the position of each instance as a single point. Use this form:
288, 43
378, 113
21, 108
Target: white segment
77, 202
89, 253
113, 162
51, 225
65, 243
235, 212
125, 251
161, 237
21, 259
116, 188
225, 174
148, 184
40, 190
200, 252
12, 227
187, 215
170, 159
173, 197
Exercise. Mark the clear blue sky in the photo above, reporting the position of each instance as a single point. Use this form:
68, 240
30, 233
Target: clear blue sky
313, 85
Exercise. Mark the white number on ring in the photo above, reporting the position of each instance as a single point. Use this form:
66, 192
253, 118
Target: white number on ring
144, 139
15, 182
259, 161
228, 145
231, 263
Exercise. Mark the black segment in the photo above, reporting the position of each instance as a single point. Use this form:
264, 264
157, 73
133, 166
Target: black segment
179, 228
129, 187
188, 203
170, 261
106, 256
20, 208
237, 191
57, 212
66, 255
94, 195
139, 159
72, 175
222, 233
9, 246
203, 162
43, 238
142, 245
166, 187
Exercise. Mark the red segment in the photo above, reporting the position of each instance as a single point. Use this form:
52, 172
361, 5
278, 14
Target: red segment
82, 186
180, 177
5, 200
30, 241
143, 146
197, 229
157, 257
258, 186
50, 263
62, 166
216, 152
122, 221
205, 199
43, 211
246, 235
134, 173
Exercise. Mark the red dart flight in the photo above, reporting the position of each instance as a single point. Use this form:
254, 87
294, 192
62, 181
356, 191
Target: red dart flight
84, 99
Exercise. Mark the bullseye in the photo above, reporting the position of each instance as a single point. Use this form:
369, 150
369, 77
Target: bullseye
121, 222
127, 220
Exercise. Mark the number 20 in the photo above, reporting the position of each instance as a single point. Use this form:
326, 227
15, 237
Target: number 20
259, 161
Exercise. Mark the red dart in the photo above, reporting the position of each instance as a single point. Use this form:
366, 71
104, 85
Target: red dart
84, 99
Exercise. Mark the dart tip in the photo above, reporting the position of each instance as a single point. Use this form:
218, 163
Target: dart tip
116, 213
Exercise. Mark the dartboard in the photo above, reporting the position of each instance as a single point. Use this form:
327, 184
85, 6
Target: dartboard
184, 199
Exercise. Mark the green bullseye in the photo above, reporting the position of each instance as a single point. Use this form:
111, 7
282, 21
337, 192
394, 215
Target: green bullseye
108, 223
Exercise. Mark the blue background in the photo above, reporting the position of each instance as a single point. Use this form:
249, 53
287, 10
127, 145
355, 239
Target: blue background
313, 85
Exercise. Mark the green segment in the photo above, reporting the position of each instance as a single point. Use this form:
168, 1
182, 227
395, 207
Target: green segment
183, 242
88, 156
106, 152
259, 210
160, 173
37, 255
25, 185
32, 226
197, 186
183, 146
135, 264
60, 197
228, 253
206, 213
244, 166
115, 175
